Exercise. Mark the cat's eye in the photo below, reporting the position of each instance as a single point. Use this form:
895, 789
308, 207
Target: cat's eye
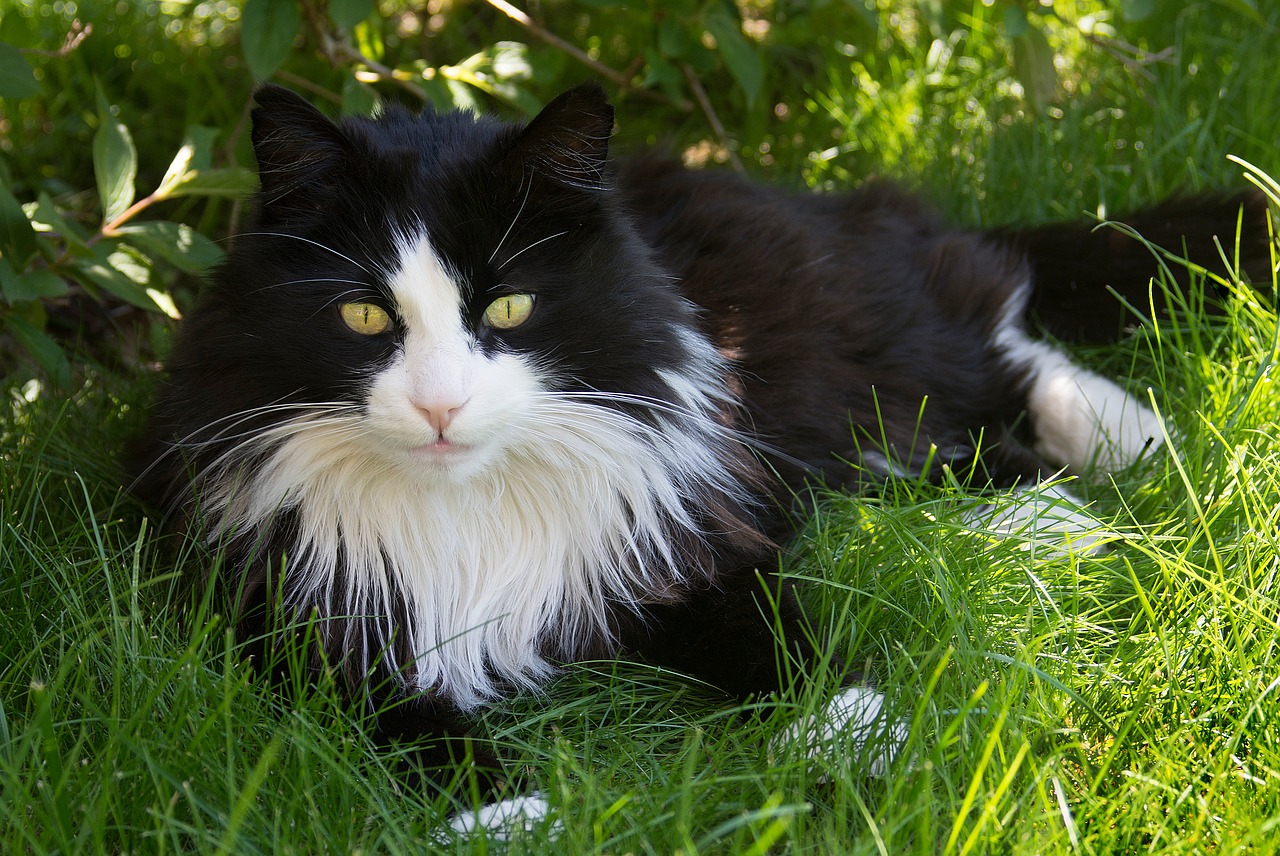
367, 319
509, 311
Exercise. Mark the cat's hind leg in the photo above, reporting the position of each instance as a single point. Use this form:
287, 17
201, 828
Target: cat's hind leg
1082, 421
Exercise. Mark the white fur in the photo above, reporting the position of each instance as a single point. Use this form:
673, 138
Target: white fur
504, 819
1081, 420
1048, 517
855, 718
511, 543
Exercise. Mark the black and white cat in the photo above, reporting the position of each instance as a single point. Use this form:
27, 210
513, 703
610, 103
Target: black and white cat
480, 402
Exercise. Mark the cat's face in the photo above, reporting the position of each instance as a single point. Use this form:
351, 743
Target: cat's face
440, 290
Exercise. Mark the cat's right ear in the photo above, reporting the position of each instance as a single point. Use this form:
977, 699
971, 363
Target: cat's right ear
300, 151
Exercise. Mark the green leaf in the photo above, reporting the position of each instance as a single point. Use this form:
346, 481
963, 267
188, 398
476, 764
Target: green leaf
267, 31
232, 182
16, 77
115, 162
661, 72
496, 70
739, 55
368, 36
194, 155
674, 40
48, 354
102, 272
1034, 68
1136, 10
358, 99
347, 13
17, 238
32, 285
176, 243
1015, 22
1247, 8
46, 218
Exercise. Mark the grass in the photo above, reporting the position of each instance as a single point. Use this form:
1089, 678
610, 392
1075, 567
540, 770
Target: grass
1120, 704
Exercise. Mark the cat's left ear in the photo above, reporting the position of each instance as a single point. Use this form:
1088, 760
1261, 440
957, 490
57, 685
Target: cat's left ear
568, 141
300, 151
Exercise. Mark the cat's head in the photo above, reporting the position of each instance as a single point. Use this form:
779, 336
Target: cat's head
445, 277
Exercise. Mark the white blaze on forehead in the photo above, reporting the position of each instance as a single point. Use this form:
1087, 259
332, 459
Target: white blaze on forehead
438, 361
426, 295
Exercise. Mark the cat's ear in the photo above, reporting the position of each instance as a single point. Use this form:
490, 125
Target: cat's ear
568, 141
299, 150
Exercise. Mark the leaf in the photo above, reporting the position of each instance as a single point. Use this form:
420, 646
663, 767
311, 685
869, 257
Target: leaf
99, 272
358, 99
1136, 10
674, 40
176, 243
739, 55
1247, 8
46, 351
17, 80
17, 238
232, 182
267, 31
1034, 68
46, 218
32, 285
194, 155
495, 70
1015, 22
115, 162
347, 13
660, 71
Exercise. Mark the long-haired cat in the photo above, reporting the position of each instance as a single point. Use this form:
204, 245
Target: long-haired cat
476, 402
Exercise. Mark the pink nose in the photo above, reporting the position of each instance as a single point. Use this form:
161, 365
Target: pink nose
439, 414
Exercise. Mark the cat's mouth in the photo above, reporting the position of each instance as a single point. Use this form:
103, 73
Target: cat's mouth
441, 450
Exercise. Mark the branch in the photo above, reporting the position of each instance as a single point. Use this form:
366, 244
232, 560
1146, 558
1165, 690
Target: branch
716, 125
616, 77
77, 34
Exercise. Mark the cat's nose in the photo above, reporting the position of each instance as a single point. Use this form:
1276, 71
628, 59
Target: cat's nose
439, 413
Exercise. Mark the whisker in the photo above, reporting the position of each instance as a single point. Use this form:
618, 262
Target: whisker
514, 220
510, 259
311, 242
308, 281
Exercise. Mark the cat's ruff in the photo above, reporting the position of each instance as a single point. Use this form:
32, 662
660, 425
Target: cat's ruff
478, 401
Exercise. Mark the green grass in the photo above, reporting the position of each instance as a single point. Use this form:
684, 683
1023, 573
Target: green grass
1126, 703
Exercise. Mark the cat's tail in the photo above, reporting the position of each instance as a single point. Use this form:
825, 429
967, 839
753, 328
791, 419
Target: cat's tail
1090, 277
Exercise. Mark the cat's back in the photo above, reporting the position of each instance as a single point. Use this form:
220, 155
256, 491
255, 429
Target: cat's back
861, 301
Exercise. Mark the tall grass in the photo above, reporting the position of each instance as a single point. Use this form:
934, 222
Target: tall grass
1121, 703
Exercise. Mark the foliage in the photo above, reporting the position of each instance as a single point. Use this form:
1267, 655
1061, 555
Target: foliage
717, 78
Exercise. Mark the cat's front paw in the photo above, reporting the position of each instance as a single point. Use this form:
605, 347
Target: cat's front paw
505, 819
854, 722
1047, 518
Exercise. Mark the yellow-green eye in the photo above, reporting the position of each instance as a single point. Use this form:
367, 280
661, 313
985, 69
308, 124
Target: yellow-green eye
367, 319
509, 311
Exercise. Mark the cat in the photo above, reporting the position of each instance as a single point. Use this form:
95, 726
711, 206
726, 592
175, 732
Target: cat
473, 401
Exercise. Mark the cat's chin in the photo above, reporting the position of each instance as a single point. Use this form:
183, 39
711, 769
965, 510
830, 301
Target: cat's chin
456, 459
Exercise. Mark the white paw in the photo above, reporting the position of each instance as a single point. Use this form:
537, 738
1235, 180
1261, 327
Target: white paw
853, 721
1048, 518
504, 819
